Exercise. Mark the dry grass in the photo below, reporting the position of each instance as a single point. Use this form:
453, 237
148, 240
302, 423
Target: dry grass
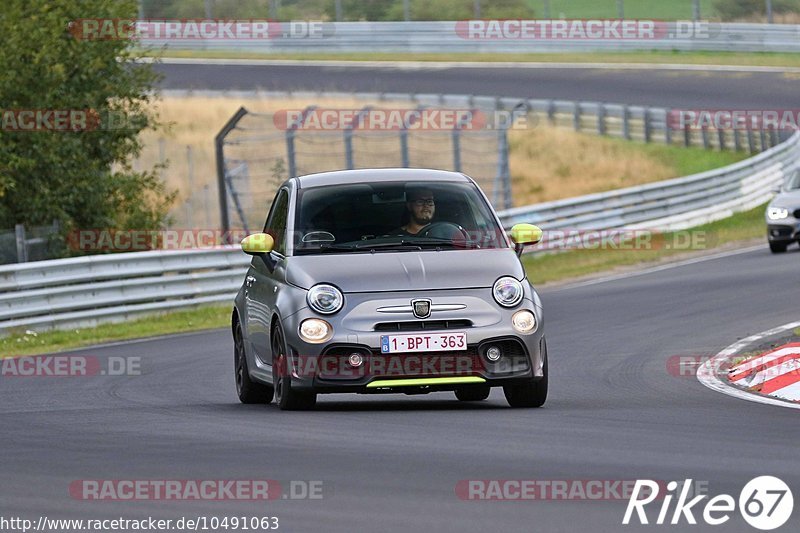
550, 163
547, 162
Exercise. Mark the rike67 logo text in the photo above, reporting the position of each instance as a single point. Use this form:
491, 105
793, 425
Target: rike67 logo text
765, 503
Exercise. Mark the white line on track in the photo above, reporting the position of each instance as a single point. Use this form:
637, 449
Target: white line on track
707, 374
438, 65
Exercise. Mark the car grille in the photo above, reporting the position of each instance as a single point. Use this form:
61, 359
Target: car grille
780, 231
423, 325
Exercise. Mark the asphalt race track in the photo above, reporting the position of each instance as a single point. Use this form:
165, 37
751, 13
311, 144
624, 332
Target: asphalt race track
738, 90
392, 462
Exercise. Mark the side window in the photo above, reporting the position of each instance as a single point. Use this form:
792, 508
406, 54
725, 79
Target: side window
276, 223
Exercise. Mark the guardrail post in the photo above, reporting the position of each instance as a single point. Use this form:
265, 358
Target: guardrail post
721, 139
648, 133
626, 123
706, 140
576, 117
551, 112
456, 148
751, 141
601, 119
348, 137
667, 133
687, 135
22, 245
737, 140
219, 144
763, 138
773, 136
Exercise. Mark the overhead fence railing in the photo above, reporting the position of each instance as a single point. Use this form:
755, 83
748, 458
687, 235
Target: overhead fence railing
257, 151
479, 36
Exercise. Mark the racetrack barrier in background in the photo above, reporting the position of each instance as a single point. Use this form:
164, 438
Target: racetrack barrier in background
85, 291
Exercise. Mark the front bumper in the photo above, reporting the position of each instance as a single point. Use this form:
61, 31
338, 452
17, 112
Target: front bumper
326, 368
787, 231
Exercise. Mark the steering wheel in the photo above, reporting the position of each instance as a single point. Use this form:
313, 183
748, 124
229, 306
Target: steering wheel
444, 230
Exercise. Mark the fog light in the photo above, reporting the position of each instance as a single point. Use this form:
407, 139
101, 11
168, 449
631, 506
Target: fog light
493, 354
315, 331
355, 360
524, 321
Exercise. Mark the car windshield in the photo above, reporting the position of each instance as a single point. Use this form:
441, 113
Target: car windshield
394, 216
794, 182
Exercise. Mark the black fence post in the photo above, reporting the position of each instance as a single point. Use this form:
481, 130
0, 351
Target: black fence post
219, 143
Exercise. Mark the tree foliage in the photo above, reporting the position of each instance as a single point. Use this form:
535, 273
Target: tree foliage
83, 179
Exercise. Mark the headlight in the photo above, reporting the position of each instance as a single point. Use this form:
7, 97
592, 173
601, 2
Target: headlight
777, 213
524, 321
507, 291
325, 299
314, 330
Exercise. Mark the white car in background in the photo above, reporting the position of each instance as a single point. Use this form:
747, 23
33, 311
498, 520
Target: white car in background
783, 216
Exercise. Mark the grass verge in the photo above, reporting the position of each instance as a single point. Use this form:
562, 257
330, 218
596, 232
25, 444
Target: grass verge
208, 317
675, 57
545, 268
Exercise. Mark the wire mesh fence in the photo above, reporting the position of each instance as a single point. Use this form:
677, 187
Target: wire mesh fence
259, 151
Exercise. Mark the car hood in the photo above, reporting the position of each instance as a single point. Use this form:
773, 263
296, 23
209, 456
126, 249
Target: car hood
404, 271
789, 200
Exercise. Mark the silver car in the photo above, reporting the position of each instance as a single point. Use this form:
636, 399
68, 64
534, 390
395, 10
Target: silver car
387, 281
783, 215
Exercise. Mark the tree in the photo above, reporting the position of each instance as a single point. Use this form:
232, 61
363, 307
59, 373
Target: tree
83, 178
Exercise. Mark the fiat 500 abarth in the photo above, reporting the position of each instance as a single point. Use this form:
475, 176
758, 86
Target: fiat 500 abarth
387, 281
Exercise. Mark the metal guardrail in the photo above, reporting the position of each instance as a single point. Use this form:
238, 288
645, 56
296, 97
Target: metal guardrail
449, 37
672, 204
85, 291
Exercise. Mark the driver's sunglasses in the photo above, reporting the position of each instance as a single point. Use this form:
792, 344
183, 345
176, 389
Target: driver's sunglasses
425, 202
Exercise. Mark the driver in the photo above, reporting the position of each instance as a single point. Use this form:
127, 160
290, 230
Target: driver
420, 208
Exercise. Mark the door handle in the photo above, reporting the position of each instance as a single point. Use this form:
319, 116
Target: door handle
249, 280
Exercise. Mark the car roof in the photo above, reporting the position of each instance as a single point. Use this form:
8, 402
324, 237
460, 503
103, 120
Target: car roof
371, 175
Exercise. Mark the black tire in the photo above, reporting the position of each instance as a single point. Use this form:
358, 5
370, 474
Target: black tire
532, 393
475, 393
287, 398
777, 248
247, 390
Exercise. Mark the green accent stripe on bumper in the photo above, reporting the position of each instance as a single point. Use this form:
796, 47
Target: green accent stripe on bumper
424, 381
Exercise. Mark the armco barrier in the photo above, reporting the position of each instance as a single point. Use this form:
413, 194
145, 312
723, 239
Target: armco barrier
444, 37
85, 291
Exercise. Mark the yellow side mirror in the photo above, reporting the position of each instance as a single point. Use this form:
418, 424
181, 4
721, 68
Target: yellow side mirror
522, 234
258, 243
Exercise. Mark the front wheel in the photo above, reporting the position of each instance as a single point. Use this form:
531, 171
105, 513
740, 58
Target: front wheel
287, 398
532, 393
247, 390
777, 248
476, 393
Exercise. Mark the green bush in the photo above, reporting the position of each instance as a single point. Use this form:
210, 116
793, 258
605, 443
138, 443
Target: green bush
83, 179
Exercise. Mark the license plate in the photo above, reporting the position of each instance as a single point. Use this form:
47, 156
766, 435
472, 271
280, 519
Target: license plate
438, 342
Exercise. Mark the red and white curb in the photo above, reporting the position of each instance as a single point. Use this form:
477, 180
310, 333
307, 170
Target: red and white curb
773, 377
